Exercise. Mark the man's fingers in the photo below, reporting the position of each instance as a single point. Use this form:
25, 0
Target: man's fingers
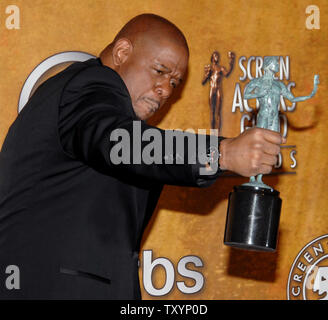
273, 137
271, 148
253, 152
270, 160
265, 169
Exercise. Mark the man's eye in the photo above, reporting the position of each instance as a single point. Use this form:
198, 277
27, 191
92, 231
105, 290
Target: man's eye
173, 84
159, 71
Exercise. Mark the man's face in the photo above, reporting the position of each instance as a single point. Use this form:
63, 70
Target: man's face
151, 73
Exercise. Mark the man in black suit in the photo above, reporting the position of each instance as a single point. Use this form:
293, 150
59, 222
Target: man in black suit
71, 219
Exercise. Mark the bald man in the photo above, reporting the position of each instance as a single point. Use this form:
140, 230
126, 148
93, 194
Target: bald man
71, 220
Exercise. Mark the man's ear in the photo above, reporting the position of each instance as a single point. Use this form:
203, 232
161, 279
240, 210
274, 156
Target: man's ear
121, 51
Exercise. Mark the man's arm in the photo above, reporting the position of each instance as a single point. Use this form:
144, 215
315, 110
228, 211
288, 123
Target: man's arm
95, 108
90, 114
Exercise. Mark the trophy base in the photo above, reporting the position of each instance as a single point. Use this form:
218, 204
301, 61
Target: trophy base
253, 218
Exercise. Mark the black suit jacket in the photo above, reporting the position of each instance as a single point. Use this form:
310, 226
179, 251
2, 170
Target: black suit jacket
70, 219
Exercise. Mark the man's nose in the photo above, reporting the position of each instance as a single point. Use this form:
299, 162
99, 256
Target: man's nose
164, 89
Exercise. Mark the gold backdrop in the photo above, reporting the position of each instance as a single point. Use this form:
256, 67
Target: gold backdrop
190, 221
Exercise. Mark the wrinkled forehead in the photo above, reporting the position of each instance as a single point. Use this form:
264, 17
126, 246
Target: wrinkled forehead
163, 48
161, 39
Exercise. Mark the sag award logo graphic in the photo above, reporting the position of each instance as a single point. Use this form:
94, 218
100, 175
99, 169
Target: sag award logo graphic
308, 277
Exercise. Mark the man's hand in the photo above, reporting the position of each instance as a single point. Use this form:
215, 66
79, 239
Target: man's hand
251, 153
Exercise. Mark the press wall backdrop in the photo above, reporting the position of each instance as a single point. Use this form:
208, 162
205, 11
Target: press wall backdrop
191, 221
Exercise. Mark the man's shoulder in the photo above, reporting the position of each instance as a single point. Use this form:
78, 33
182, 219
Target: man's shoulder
93, 72
92, 76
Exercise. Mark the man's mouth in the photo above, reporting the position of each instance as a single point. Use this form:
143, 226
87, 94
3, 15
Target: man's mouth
153, 104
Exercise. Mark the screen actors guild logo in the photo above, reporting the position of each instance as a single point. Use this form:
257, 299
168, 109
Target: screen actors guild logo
308, 277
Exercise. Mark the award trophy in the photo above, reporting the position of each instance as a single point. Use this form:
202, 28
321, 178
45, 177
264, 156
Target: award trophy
254, 208
214, 74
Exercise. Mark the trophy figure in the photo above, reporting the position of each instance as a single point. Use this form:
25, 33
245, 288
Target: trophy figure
214, 73
254, 207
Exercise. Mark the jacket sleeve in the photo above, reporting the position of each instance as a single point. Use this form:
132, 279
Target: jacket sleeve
97, 126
